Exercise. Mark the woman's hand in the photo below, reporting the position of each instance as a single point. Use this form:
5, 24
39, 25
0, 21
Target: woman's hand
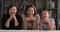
9, 19
15, 19
8, 22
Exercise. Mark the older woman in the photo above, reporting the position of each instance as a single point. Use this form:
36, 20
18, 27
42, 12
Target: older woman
11, 20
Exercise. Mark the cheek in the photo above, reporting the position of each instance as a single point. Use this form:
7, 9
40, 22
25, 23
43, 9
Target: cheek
10, 11
32, 12
27, 13
43, 15
47, 15
16, 11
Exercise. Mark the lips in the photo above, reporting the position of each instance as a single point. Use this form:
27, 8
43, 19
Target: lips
12, 12
44, 16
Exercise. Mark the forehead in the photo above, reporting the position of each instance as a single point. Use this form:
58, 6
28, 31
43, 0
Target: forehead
44, 12
13, 7
30, 8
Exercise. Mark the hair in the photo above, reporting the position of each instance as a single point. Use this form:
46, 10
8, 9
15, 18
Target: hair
44, 10
10, 7
29, 7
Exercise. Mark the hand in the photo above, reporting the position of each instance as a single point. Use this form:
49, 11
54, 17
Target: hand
13, 16
16, 23
8, 22
15, 19
30, 18
46, 20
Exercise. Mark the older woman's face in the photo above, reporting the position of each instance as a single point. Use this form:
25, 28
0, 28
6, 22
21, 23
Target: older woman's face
30, 11
12, 10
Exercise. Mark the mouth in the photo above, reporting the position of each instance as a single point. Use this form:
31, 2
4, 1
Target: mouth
44, 16
13, 13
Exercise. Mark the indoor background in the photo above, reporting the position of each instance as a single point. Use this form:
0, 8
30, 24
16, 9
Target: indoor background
52, 5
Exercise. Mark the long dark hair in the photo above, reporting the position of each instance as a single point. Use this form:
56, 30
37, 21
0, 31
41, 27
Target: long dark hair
29, 7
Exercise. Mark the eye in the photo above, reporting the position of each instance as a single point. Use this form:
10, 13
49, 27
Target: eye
14, 9
45, 13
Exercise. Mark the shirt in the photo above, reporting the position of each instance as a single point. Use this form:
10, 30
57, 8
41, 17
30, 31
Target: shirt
12, 27
45, 25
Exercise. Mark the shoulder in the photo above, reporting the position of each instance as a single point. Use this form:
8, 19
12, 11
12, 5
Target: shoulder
5, 16
51, 19
18, 16
37, 15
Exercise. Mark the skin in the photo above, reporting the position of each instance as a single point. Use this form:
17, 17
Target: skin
30, 13
45, 19
12, 13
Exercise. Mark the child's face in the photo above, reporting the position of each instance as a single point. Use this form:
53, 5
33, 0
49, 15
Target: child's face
45, 14
30, 11
12, 10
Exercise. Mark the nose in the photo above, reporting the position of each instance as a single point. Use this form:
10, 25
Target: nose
13, 10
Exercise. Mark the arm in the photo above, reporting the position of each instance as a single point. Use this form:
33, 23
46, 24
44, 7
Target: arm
49, 23
7, 22
40, 26
52, 23
16, 21
50, 27
25, 24
35, 25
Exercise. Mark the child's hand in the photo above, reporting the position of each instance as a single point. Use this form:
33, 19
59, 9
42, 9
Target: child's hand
46, 20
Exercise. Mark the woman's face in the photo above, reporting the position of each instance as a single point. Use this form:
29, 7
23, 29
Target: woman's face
30, 11
12, 10
44, 14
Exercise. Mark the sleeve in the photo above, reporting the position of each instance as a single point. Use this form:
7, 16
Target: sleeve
3, 21
52, 21
20, 22
38, 19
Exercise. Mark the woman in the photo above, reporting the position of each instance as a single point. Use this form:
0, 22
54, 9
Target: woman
30, 21
11, 20
46, 23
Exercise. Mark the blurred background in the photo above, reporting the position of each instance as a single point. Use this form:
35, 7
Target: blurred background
52, 5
